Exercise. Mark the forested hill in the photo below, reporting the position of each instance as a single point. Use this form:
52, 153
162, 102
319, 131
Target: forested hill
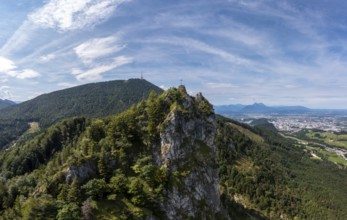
169, 157
5, 103
90, 100
155, 161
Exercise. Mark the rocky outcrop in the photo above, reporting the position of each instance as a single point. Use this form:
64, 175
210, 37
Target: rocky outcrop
188, 151
82, 172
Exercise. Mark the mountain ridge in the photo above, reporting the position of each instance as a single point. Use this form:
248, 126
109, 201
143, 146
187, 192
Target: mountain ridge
259, 108
6, 103
59, 99
90, 100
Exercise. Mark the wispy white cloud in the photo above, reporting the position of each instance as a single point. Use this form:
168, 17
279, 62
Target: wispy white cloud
221, 86
66, 15
252, 40
94, 73
198, 45
6, 64
9, 68
3, 80
19, 39
97, 48
61, 15
5, 92
98, 56
250, 50
203, 47
23, 74
47, 58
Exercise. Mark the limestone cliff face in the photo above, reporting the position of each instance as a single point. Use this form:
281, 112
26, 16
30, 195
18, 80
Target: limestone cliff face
187, 149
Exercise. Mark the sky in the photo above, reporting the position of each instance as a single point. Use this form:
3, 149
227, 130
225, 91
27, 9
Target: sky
290, 52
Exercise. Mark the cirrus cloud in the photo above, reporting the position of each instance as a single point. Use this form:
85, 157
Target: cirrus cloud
97, 48
24, 74
8, 67
47, 58
94, 73
66, 15
5, 92
6, 64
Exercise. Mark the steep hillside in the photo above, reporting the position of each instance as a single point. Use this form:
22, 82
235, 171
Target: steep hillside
5, 103
275, 178
90, 100
169, 157
154, 161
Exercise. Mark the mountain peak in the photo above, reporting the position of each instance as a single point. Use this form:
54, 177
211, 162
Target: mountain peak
187, 124
259, 104
256, 107
182, 88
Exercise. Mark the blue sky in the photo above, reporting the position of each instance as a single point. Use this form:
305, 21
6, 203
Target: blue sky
233, 51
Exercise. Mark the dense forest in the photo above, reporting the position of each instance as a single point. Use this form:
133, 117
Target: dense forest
119, 179
269, 174
90, 100
104, 168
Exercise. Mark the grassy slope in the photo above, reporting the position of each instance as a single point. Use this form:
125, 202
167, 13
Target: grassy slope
251, 135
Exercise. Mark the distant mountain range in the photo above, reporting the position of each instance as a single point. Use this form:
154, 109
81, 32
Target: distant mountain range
264, 109
5, 103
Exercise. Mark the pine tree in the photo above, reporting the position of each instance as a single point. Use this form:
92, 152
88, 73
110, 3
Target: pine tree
74, 191
63, 193
101, 165
152, 114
